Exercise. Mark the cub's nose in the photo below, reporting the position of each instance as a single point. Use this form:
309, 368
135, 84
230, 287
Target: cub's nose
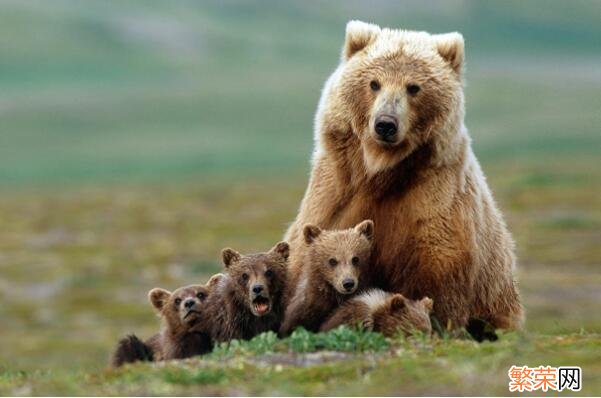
348, 284
189, 303
386, 126
258, 289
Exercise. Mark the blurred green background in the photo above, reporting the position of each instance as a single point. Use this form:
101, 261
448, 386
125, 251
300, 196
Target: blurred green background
138, 138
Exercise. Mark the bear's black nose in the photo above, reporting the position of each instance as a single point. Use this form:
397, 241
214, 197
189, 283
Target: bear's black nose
386, 126
348, 284
189, 303
257, 289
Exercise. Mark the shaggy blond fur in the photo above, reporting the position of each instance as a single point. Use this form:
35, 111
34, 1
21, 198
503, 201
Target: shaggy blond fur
380, 311
438, 231
332, 258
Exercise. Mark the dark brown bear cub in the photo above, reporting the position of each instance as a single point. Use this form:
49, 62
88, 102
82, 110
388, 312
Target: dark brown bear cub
330, 272
185, 329
247, 300
383, 312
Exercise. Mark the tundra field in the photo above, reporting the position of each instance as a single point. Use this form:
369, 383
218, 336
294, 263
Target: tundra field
137, 139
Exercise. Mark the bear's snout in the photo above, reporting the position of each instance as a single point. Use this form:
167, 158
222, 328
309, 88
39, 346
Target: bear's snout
349, 284
257, 289
189, 303
386, 127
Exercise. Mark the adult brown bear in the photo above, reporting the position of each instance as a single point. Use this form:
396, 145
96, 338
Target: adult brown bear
391, 146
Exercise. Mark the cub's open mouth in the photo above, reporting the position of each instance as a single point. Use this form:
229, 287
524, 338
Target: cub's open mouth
191, 312
261, 305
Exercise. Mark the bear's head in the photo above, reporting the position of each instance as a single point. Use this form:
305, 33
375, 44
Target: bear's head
340, 256
185, 307
258, 280
398, 91
398, 313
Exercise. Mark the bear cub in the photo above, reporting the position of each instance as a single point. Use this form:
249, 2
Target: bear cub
248, 297
384, 312
185, 329
330, 271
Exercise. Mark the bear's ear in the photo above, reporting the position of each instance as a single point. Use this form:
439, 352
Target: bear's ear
282, 249
214, 280
311, 232
397, 302
229, 257
428, 303
366, 228
358, 36
450, 46
158, 297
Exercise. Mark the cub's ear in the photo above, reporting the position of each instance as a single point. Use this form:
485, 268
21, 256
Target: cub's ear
397, 302
366, 228
450, 46
214, 280
358, 36
158, 297
281, 249
311, 232
428, 303
229, 257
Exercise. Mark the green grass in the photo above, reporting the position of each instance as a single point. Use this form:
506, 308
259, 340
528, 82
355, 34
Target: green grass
342, 366
342, 339
137, 139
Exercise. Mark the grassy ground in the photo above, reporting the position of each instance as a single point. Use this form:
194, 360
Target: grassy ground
138, 139
340, 362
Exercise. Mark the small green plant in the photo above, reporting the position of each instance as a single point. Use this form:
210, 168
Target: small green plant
258, 345
340, 339
301, 340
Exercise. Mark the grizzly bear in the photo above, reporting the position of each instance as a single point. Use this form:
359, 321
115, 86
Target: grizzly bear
333, 264
185, 330
384, 312
391, 145
248, 299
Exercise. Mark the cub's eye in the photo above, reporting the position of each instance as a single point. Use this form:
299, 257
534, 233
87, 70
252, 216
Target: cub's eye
201, 296
178, 301
355, 260
413, 89
245, 277
269, 273
333, 262
375, 86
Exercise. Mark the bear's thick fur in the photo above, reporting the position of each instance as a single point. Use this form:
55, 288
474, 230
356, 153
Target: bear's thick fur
380, 311
185, 329
248, 298
391, 146
334, 261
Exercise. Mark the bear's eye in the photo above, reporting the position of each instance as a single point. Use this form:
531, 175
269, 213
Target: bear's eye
333, 262
413, 89
375, 86
244, 276
178, 301
201, 296
355, 260
269, 273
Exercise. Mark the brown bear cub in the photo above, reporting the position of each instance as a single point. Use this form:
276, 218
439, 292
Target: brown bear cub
384, 312
185, 329
329, 272
247, 300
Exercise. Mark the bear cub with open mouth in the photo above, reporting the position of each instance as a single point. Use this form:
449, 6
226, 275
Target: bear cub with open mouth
248, 297
329, 272
185, 331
